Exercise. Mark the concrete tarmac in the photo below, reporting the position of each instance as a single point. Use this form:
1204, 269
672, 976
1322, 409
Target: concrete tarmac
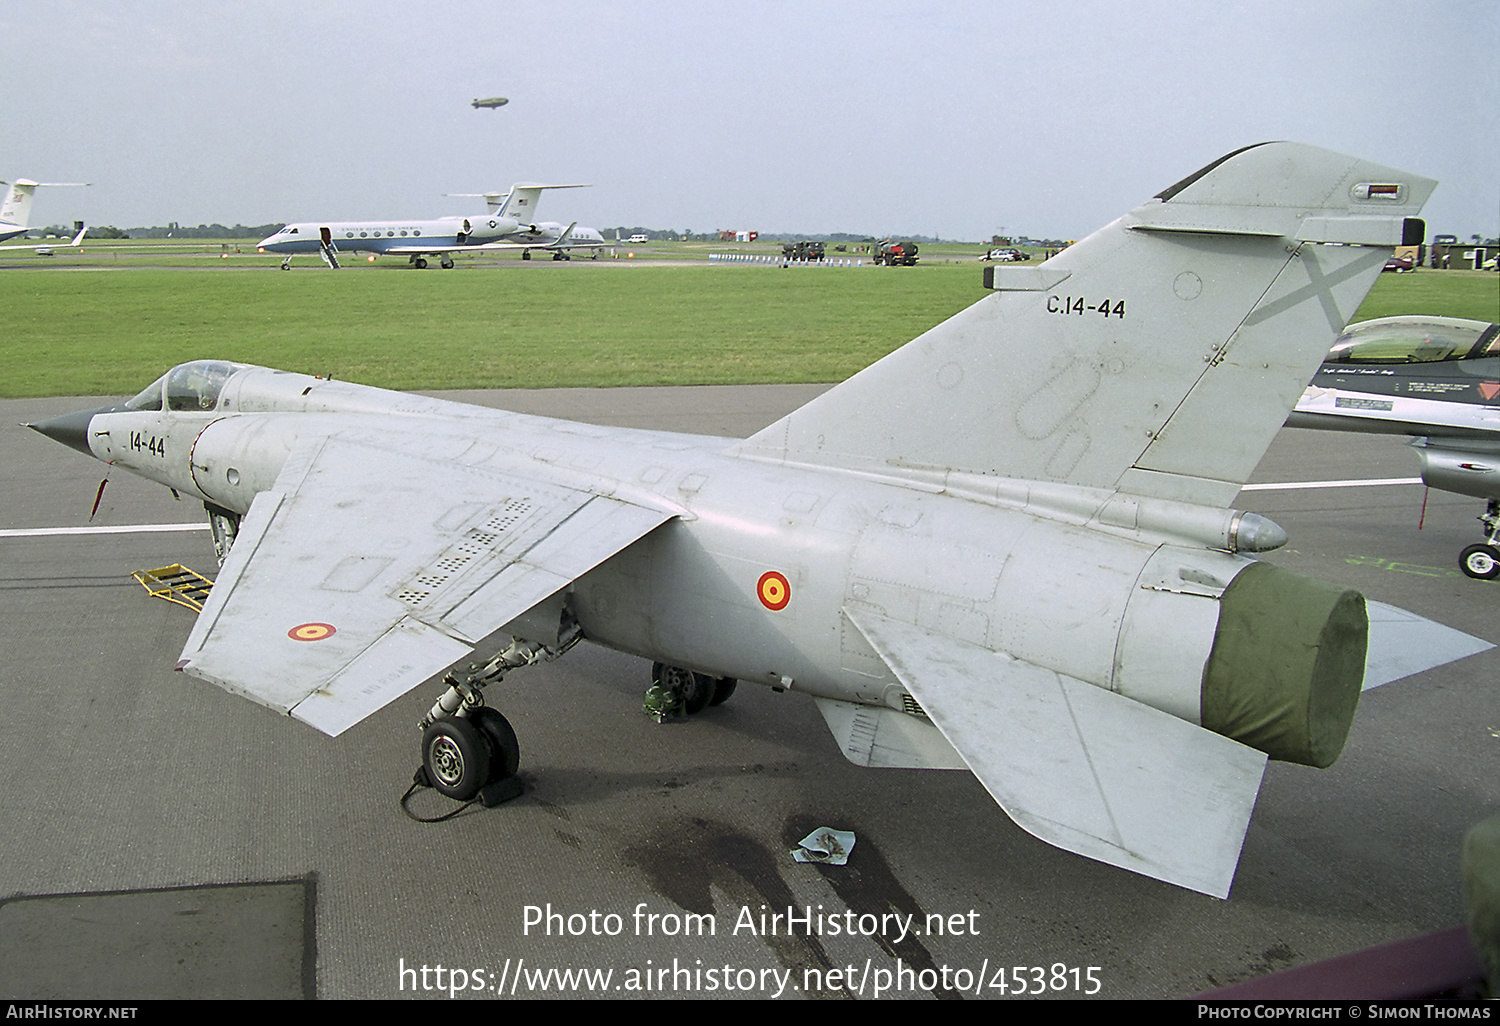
162, 838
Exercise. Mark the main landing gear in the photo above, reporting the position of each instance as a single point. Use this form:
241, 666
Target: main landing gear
470, 751
1482, 561
675, 692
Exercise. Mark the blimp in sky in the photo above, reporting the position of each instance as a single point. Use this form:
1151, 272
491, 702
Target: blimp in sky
492, 101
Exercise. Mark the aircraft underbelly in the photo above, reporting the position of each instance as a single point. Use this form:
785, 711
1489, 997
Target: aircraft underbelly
767, 595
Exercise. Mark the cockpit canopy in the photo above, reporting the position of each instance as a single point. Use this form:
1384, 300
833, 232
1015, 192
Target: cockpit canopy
1391, 340
188, 386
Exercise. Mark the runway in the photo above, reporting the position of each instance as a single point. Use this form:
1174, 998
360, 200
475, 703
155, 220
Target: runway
163, 838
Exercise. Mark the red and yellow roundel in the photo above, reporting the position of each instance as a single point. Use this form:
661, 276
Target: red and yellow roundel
773, 590
311, 631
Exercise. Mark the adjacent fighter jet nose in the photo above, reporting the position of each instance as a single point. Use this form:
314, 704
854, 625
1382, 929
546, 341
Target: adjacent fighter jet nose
71, 429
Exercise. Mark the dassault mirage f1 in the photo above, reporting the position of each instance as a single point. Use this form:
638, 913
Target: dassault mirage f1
508, 227
1436, 379
1003, 547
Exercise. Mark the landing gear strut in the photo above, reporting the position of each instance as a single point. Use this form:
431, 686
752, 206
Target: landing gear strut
1482, 561
224, 525
468, 749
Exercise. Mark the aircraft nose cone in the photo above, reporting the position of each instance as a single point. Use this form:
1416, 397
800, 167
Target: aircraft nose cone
71, 429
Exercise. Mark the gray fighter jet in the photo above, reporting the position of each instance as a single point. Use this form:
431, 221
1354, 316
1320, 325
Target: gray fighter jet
1436, 379
1003, 547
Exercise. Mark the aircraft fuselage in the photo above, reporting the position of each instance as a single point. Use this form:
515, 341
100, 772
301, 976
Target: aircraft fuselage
389, 236
771, 554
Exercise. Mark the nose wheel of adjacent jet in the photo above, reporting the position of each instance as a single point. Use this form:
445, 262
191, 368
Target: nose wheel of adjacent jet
1481, 562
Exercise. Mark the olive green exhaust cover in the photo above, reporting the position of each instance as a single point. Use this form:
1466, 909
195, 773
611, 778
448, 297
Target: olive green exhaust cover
1287, 664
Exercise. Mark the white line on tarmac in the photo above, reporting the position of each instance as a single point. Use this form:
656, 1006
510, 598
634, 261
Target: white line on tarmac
1367, 483
36, 532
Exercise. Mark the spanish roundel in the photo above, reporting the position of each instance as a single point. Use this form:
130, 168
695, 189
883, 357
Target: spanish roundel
773, 590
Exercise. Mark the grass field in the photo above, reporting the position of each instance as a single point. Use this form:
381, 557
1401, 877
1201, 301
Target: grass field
103, 331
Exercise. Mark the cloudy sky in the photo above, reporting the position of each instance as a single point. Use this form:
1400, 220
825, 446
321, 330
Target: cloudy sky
961, 119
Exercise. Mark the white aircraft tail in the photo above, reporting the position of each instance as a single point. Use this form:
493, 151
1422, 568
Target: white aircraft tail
16, 210
1159, 356
521, 203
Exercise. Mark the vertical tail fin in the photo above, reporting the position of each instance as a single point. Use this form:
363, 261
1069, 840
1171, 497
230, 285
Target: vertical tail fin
16, 210
17, 207
1159, 356
521, 203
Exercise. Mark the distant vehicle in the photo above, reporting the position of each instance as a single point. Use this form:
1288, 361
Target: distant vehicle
895, 254
637, 239
491, 102
802, 252
1006, 255
1400, 264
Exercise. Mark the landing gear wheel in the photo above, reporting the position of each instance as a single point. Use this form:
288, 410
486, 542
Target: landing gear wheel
723, 688
419, 264
447, 263
505, 750
695, 689
1481, 562
700, 692
456, 756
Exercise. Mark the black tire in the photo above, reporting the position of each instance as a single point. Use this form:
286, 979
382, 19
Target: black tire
456, 756
697, 689
420, 265
699, 693
505, 750
723, 688
1481, 562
